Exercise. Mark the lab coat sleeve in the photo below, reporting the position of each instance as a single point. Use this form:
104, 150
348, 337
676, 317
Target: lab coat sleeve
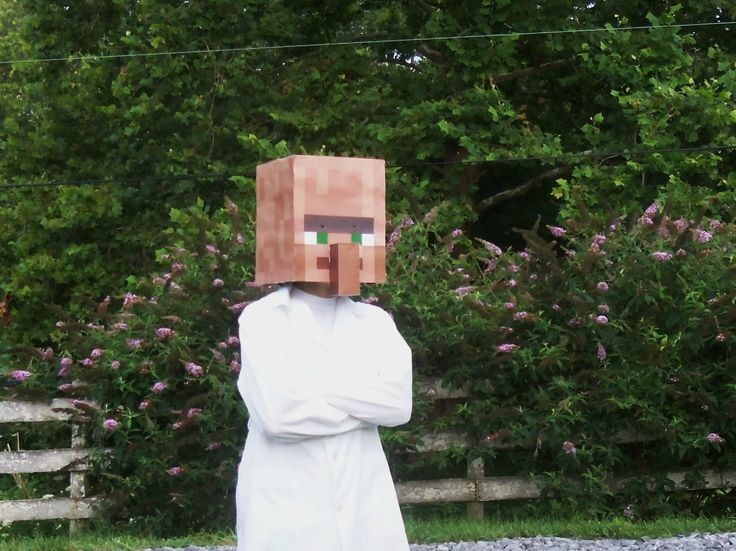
286, 407
380, 392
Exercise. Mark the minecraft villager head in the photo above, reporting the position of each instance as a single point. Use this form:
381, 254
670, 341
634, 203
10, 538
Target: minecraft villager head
321, 219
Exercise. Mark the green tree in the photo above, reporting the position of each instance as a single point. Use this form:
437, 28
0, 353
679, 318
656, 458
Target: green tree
451, 116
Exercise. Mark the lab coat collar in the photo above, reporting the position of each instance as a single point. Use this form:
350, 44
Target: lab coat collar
301, 320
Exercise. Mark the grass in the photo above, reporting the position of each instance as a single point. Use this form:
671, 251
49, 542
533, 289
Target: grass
110, 540
419, 531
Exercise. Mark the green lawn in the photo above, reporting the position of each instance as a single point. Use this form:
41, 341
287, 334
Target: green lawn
419, 530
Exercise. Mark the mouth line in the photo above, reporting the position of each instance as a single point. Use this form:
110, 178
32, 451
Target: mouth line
323, 263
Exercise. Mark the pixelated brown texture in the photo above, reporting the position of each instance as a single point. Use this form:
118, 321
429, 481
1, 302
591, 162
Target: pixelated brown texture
275, 222
344, 269
319, 187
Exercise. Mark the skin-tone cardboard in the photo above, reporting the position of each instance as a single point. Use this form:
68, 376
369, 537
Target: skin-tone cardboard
305, 205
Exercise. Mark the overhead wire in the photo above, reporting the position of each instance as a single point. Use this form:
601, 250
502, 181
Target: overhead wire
567, 156
575, 155
106, 181
366, 42
547, 158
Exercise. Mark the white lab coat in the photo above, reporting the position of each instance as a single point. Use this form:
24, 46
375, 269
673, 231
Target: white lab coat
313, 475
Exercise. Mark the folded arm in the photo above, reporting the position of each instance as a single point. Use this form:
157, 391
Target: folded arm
286, 406
380, 392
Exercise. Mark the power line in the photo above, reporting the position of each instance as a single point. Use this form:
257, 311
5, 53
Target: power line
107, 181
565, 157
372, 42
574, 155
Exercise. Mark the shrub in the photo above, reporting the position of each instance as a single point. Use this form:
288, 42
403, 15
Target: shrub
594, 331
159, 362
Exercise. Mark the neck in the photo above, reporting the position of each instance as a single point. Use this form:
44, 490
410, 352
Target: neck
314, 288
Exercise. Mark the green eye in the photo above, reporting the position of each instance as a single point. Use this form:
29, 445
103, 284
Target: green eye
357, 238
322, 238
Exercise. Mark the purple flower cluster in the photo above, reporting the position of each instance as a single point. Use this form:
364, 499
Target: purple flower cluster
162, 280
507, 347
599, 240
652, 210
702, 236
661, 256
20, 375
396, 233
646, 220
129, 300
557, 231
522, 316
110, 425
495, 250
463, 291
601, 353
135, 344
165, 333
194, 370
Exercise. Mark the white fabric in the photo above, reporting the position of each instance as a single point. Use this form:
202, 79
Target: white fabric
322, 308
313, 475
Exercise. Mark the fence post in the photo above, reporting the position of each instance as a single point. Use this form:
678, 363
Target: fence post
476, 471
77, 479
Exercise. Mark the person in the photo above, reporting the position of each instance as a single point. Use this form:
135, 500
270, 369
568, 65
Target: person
320, 373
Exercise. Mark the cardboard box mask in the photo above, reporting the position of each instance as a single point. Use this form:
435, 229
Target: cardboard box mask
321, 219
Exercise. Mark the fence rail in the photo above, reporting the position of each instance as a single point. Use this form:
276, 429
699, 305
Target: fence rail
477, 489
501, 488
72, 460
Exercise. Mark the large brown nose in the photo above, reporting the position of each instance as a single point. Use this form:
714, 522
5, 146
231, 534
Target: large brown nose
345, 269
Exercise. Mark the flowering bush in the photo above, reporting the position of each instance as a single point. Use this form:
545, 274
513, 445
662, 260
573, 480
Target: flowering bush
593, 334
160, 362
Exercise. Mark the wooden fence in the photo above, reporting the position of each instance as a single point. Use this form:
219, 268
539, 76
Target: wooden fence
72, 460
476, 488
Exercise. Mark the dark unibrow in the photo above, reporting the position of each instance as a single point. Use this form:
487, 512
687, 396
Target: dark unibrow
338, 224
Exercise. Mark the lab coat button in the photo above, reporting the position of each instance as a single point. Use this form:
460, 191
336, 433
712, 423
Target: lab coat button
334, 457
339, 508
